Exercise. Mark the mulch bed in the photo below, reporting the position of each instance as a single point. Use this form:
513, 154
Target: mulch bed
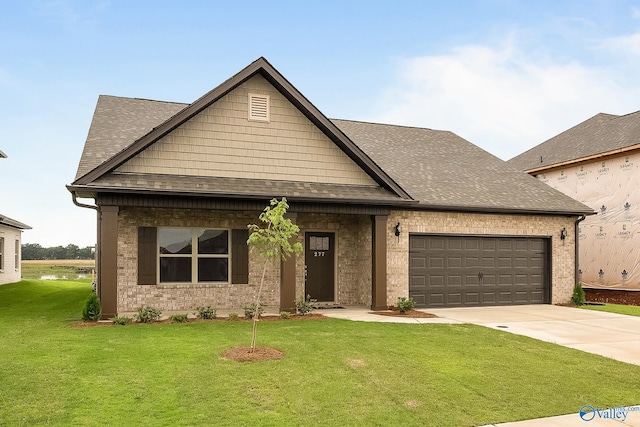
410, 313
310, 316
612, 296
244, 354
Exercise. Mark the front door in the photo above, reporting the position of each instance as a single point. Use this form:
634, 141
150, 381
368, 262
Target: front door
319, 266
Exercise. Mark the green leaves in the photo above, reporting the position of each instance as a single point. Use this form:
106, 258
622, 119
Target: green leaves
273, 239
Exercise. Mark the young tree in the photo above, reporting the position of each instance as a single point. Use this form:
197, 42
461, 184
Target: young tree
272, 242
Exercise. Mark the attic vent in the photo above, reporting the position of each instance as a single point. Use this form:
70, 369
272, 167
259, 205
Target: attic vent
259, 107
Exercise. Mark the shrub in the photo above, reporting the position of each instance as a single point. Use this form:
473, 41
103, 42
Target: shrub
234, 316
121, 320
251, 310
304, 306
91, 310
578, 295
285, 315
178, 318
206, 313
405, 304
148, 315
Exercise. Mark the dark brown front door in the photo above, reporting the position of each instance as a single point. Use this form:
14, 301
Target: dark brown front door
319, 266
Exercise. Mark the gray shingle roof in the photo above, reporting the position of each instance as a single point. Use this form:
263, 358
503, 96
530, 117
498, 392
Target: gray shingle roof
117, 122
599, 135
443, 170
245, 188
438, 169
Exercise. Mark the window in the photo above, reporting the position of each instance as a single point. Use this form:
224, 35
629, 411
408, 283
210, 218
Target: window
189, 255
16, 255
1, 253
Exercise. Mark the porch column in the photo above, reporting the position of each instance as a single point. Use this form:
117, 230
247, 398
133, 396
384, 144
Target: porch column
379, 263
108, 265
288, 277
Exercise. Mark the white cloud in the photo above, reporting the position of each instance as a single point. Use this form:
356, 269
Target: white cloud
502, 99
629, 44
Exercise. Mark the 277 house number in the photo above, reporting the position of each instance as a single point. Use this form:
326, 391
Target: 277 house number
317, 253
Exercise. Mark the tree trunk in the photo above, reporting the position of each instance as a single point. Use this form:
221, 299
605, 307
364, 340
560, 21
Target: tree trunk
256, 314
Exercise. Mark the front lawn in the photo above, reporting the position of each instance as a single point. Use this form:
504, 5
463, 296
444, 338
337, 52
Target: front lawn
334, 372
630, 310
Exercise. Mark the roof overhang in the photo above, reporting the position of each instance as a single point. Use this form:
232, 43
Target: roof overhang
501, 211
582, 160
13, 223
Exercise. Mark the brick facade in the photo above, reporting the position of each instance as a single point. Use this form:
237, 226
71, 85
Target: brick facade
562, 252
353, 275
353, 255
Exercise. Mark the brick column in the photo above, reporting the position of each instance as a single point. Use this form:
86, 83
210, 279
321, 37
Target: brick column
379, 263
108, 261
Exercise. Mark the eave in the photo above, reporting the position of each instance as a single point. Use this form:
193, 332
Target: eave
582, 160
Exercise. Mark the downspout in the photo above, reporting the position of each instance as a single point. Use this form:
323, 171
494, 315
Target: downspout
82, 205
577, 254
96, 285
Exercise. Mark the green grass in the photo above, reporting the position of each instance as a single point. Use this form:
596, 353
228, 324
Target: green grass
58, 269
630, 310
334, 372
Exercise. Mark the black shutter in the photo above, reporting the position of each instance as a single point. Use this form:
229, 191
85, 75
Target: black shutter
239, 257
147, 257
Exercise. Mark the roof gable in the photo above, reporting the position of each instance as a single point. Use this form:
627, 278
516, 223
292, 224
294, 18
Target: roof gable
259, 67
222, 141
598, 136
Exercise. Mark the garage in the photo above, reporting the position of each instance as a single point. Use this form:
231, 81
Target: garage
458, 271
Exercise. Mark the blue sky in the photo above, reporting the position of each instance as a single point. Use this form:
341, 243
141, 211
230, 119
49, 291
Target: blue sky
504, 74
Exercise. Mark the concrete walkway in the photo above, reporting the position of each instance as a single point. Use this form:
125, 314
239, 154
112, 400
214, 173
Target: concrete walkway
607, 334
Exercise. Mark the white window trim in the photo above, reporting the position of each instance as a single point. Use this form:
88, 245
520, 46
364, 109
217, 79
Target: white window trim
195, 256
259, 108
16, 256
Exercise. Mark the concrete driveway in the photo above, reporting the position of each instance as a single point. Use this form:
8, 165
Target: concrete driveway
607, 334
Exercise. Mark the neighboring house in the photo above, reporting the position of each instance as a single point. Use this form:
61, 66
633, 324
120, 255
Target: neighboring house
10, 249
384, 211
598, 163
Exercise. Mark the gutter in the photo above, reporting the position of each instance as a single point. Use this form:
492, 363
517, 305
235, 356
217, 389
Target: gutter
577, 252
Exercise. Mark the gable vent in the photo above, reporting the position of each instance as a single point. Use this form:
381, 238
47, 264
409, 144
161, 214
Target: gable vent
259, 107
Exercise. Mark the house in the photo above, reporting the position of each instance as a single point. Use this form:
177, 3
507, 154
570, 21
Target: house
10, 249
598, 163
384, 211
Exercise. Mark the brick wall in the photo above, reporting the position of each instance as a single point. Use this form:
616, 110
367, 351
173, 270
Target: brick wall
353, 272
353, 265
562, 253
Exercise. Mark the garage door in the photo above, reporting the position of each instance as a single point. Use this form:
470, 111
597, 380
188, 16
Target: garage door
450, 271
